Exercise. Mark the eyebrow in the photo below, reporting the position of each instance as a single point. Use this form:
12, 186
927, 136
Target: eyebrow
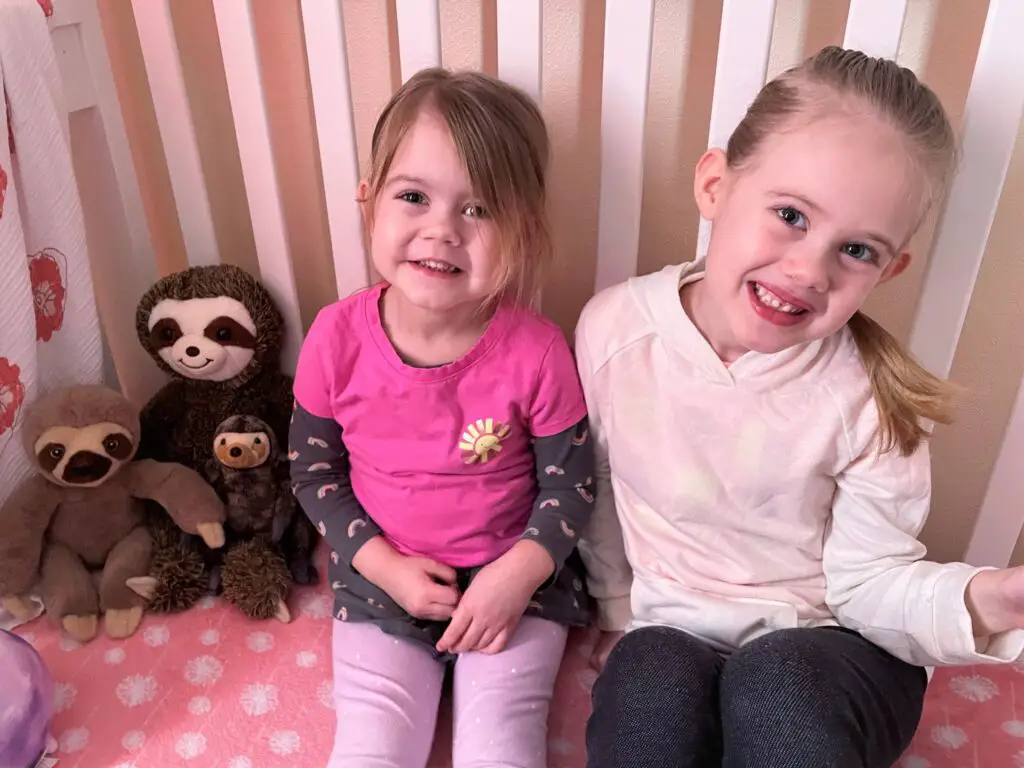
815, 207
404, 179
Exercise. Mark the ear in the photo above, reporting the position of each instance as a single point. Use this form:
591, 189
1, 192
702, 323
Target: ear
363, 198
708, 182
896, 267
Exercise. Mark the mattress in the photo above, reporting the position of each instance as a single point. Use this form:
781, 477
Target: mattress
210, 687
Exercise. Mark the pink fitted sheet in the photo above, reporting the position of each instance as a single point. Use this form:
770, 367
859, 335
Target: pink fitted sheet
212, 688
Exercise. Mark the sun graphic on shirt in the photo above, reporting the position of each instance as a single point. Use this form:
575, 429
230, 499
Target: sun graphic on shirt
481, 439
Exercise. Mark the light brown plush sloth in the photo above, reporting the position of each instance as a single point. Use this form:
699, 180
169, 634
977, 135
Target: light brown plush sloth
75, 531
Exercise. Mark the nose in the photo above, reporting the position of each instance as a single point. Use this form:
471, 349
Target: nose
236, 451
808, 267
443, 226
192, 351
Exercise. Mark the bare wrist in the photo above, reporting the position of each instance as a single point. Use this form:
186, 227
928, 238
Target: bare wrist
375, 559
531, 562
986, 601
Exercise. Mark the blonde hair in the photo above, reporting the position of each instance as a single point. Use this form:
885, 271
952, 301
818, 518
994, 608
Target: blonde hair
907, 395
501, 136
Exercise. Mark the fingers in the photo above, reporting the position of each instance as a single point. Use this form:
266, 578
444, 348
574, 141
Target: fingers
439, 571
456, 629
471, 639
498, 644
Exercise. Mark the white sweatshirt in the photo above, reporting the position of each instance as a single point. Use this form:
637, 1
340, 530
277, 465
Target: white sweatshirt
733, 501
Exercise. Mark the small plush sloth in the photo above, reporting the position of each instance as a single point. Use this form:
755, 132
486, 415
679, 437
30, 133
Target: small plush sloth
250, 474
75, 530
217, 332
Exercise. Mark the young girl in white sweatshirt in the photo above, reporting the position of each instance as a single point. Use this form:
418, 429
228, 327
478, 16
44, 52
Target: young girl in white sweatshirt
763, 465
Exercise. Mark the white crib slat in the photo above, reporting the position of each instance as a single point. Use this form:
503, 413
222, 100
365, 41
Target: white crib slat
177, 131
252, 131
744, 43
323, 23
519, 44
992, 115
875, 26
419, 35
629, 26
1001, 518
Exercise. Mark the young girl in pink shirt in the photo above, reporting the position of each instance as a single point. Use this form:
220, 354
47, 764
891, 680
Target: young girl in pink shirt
763, 465
440, 440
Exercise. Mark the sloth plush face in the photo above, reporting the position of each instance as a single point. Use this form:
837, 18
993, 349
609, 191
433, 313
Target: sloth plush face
83, 437
243, 442
216, 325
210, 339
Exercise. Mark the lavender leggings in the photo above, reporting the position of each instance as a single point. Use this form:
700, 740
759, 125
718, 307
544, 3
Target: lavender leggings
387, 690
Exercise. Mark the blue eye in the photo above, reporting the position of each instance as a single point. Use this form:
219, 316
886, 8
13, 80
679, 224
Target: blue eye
860, 252
791, 216
416, 198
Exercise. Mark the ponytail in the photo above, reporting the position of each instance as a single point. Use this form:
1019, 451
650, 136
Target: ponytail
906, 394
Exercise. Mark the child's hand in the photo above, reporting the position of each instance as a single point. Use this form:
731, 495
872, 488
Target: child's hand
599, 656
423, 587
496, 599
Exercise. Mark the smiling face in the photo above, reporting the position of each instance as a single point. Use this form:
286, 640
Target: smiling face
210, 339
432, 239
802, 232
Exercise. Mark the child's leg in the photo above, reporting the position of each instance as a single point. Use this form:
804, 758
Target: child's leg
501, 701
807, 698
656, 704
386, 693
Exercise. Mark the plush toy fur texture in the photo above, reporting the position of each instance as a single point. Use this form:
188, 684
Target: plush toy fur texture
255, 578
217, 332
75, 530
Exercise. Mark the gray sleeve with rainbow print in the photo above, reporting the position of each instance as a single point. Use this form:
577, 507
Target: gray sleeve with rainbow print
565, 499
320, 481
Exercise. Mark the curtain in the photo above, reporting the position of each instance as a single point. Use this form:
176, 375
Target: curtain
49, 328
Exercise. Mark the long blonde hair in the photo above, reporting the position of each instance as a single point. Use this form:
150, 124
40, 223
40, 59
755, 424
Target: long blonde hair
907, 395
503, 142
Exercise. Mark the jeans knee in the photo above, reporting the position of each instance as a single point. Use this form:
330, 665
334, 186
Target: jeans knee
659, 658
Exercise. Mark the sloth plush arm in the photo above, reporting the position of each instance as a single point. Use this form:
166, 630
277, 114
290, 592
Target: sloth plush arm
24, 518
190, 501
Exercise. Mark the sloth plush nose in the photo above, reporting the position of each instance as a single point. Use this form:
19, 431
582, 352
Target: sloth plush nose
192, 351
235, 452
86, 467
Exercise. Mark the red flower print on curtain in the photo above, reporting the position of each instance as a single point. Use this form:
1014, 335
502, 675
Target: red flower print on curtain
48, 291
47, 6
12, 394
3, 190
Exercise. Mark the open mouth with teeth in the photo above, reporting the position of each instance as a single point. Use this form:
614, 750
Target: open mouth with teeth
435, 267
775, 308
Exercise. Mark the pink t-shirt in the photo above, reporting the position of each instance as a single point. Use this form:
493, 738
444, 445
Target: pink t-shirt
441, 457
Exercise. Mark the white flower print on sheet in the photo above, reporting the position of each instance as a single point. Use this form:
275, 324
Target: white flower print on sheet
203, 670
136, 689
258, 699
190, 745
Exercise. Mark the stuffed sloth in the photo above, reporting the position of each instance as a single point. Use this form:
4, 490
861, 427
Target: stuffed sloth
250, 474
217, 332
81, 516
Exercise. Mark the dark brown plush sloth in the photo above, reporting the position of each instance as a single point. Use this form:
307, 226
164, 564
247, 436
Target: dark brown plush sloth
81, 516
217, 332
250, 474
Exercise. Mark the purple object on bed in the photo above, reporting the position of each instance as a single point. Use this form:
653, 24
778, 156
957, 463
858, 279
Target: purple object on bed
26, 703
